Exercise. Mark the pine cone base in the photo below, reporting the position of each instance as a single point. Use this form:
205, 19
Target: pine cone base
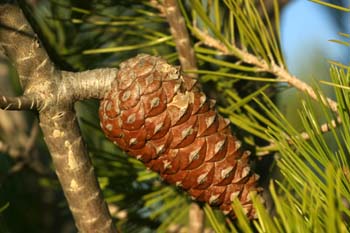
162, 118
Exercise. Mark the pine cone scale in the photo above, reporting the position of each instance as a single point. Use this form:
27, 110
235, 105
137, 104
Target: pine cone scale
164, 120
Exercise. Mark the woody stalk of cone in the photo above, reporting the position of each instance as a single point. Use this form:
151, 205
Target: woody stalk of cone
163, 119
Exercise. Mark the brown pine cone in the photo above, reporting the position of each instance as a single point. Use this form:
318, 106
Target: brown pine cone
163, 119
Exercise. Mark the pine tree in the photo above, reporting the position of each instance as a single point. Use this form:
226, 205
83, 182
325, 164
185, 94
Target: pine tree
232, 49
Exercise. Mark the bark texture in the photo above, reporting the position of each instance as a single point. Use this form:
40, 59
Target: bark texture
43, 83
181, 37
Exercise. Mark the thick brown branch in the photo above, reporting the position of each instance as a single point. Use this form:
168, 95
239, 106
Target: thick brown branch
43, 82
75, 171
22, 46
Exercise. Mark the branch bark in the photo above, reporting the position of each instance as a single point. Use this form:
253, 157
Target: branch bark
19, 103
41, 81
181, 37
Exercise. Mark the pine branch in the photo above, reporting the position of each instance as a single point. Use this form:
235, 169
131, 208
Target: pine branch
324, 128
75, 86
42, 82
277, 70
19, 103
280, 73
181, 37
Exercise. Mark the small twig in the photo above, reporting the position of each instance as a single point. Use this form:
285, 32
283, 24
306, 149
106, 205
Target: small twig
280, 72
181, 37
292, 80
324, 128
19, 103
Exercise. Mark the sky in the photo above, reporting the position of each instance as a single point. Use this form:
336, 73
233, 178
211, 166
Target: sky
306, 28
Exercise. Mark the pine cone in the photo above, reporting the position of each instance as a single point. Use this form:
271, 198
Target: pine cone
163, 119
